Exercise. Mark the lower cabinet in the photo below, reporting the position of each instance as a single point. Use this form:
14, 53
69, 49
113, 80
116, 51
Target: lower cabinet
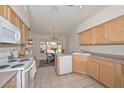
103, 71
107, 72
79, 63
107, 75
122, 75
93, 69
11, 83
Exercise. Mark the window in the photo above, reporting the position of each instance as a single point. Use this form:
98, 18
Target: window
51, 47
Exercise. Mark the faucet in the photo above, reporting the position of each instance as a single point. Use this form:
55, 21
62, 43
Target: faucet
11, 55
84, 51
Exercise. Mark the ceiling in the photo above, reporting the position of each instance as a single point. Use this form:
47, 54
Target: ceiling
65, 18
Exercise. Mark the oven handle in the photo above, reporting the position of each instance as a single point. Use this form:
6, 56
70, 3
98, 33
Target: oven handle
29, 68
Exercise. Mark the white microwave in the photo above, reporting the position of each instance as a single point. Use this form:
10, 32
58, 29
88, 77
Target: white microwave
8, 32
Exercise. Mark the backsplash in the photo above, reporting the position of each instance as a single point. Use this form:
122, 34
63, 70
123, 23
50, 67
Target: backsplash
4, 52
107, 49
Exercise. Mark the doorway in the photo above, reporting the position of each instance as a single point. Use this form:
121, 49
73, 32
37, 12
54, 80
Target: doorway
48, 50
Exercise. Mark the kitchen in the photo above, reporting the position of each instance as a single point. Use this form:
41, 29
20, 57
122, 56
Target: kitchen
61, 46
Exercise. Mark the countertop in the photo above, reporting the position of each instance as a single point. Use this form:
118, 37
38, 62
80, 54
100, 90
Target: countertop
108, 57
6, 76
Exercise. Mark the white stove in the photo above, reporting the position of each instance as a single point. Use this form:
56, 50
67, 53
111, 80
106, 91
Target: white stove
23, 66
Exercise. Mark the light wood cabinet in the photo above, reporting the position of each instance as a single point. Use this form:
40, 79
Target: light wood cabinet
107, 33
12, 17
116, 31
3, 11
122, 76
102, 70
26, 34
93, 68
11, 83
8, 13
100, 34
79, 63
107, 75
119, 79
24, 31
86, 37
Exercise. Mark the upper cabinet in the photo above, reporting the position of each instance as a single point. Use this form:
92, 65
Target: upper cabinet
26, 34
24, 31
111, 32
116, 31
3, 11
86, 37
8, 13
12, 17
100, 34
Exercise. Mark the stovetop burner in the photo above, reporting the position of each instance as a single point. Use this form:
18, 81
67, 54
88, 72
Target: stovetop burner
13, 60
4, 66
23, 60
17, 65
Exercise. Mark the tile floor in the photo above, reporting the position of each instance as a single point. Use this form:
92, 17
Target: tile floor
47, 78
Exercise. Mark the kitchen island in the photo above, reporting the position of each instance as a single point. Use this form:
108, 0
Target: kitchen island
63, 64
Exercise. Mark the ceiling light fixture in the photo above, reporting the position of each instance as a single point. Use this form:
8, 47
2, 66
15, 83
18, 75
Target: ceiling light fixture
80, 6
53, 35
54, 9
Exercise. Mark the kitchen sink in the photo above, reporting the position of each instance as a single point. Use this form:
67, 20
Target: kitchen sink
4, 66
17, 65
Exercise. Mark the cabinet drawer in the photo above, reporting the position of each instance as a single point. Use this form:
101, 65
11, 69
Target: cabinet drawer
11, 83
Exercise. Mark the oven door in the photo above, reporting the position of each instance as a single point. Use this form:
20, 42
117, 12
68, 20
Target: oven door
27, 79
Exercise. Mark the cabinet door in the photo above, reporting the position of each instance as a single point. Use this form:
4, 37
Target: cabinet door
2, 10
12, 17
116, 31
23, 34
22, 28
107, 75
122, 75
79, 65
119, 76
93, 69
100, 34
26, 34
86, 37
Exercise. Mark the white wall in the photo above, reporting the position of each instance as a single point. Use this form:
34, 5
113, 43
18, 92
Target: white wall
36, 42
103, 16
22, 13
